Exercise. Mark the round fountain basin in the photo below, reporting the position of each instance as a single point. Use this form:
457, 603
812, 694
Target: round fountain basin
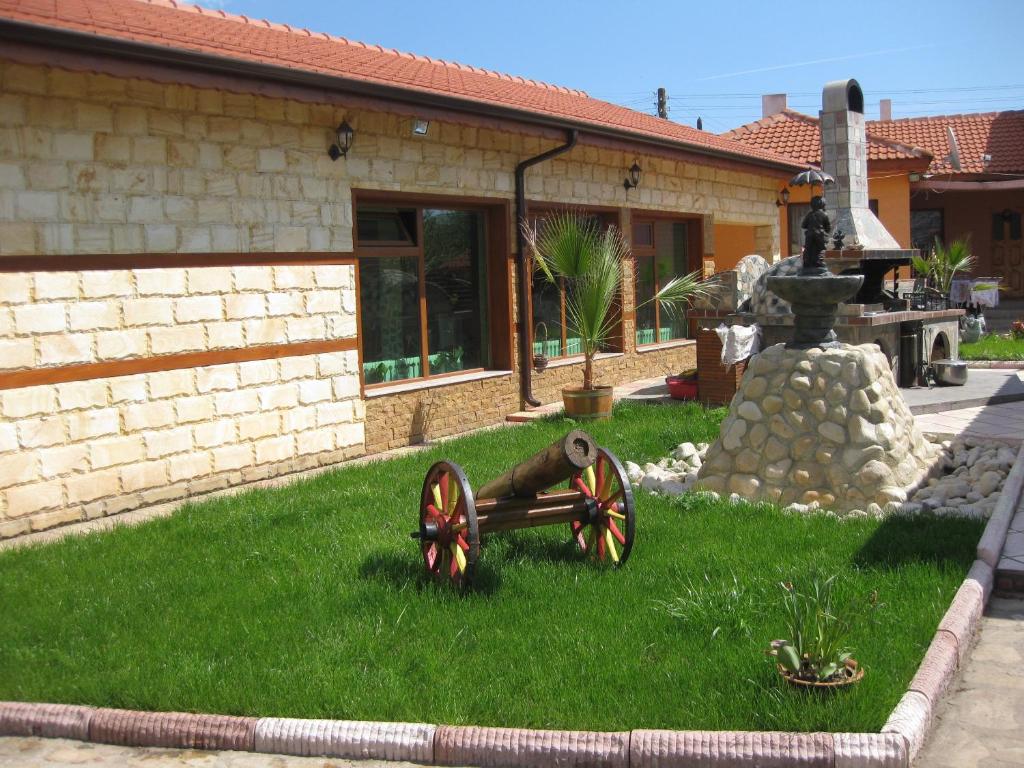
815, 289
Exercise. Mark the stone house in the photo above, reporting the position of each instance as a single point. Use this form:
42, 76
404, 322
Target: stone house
198, 291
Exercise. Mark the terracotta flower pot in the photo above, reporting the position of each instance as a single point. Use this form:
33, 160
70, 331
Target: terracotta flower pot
582, 403
852, 674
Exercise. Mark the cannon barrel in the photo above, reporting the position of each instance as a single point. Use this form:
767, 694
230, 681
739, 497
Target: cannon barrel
555, 464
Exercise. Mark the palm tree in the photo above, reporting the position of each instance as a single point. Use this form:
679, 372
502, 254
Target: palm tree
571, 246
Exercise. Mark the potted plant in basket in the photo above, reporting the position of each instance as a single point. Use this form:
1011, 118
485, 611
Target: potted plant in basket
571, 246
814, 654
540, 360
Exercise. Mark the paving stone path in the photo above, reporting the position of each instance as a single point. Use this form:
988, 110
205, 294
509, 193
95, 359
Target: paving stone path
981, 721
58, 753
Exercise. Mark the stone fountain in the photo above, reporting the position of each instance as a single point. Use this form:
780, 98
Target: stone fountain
816, 420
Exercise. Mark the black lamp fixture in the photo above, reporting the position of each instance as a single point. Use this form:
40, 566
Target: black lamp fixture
633, 180
783, 198
344, 134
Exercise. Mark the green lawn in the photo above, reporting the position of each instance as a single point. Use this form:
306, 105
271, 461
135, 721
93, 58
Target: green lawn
308, 602
993, 347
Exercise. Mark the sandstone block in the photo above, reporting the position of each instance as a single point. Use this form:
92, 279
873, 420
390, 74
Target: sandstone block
95, 485
34, 497
471, 745
346, 739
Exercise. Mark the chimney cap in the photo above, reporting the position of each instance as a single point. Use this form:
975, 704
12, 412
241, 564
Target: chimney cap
842, 96
772, 104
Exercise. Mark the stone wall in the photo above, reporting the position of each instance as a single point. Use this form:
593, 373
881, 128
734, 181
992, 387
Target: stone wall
112, 440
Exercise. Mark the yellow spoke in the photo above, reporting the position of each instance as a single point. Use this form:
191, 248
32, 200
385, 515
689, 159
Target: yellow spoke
453, 497
436, 490
609, 541
616, 515
591, 481
460, 556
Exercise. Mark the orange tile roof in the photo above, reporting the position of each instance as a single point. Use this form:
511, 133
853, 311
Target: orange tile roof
190, 28
797, 135
998, 134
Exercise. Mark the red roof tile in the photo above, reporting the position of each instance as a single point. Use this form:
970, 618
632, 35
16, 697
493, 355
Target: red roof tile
997, 134
797, 136
194, 29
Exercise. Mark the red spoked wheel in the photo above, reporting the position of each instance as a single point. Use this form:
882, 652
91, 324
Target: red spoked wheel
608, 533
449, 535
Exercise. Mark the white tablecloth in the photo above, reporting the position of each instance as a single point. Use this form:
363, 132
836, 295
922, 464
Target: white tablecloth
963, 292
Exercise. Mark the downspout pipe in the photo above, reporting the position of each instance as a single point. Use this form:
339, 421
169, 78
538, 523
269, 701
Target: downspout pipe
523, 271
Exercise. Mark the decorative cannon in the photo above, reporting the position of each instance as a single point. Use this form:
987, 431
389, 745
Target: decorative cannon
597, 505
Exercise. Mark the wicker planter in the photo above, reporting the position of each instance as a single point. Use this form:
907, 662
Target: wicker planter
582, 403
852, 674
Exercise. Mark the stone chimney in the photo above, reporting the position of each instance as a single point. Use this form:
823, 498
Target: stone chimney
885, 109
844, 156
772, 104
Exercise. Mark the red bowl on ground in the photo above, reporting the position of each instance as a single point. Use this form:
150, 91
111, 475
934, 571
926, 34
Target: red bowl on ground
680, 388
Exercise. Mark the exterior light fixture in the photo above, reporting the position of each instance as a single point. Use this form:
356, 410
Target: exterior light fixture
783, 198
419, 127
344, 135
633, 180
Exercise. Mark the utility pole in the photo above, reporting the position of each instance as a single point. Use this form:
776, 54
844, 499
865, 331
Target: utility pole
662, 103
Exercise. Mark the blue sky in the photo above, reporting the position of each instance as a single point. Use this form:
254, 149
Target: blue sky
715, 59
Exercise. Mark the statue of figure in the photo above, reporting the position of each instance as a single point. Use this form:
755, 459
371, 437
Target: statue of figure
816, 226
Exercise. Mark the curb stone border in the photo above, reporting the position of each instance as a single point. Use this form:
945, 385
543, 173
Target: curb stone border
897, 746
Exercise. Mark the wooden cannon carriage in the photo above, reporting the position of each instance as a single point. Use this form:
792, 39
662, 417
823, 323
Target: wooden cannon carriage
597, 505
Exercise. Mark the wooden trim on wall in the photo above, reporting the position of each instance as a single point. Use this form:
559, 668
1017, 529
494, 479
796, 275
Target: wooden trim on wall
88, 262
107, 369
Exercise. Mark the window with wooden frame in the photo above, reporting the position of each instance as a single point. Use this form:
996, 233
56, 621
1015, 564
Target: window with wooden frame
425, 293
551, 336
661, 252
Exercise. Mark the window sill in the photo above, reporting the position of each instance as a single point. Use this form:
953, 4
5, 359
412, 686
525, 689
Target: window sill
674, 344
559, 362
441, 381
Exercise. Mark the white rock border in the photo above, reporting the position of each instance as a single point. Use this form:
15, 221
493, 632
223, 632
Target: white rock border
899, 743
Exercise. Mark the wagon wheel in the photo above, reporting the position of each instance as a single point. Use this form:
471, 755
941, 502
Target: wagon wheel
449, 535
608, 534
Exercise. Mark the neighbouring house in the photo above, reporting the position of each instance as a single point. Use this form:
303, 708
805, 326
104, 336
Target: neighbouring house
232, 249
916, 189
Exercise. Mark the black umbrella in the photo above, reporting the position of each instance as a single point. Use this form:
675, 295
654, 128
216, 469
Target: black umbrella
813, 177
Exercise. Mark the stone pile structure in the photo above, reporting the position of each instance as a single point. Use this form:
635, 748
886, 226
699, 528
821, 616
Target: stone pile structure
819, 425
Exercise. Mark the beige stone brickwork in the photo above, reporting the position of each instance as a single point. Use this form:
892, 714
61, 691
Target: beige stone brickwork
51, 319
84, 449
96, 164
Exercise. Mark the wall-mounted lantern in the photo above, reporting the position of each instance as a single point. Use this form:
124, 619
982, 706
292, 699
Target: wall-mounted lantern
633, 180
344, 135
783, 198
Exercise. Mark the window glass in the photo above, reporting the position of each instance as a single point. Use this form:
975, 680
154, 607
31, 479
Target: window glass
387, 226
644, 292
670, 249
389, 310
795, 213
643, 235
666, 258
925, 226
547, 309
456, 288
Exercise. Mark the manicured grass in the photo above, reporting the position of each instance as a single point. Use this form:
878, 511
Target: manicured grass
309, 602
993, 347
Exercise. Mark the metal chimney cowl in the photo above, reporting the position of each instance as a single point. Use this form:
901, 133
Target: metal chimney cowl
844, 156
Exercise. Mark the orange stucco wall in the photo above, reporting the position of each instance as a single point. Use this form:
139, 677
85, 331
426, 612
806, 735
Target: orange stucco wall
732, 243
893, 194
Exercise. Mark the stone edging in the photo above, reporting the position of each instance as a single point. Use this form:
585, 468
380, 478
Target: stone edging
1010, 365
896, 746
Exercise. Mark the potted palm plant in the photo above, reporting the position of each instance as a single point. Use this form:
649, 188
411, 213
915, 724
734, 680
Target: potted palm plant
571, 247
942, 264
